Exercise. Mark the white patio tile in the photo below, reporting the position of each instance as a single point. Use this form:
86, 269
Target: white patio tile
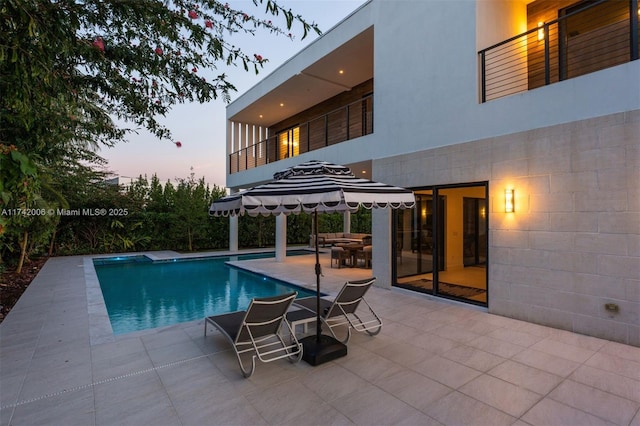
447, 372
502, 395
496, 347
608, 382
526, 377
413, 388
545, 362
332, 381
459, 409
594, 401
516, 337
285, 401
563, 350
552, 413
374, 406
474, 358
616, 364
69, 408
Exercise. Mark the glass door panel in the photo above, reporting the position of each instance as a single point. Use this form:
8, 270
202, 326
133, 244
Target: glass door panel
441, 244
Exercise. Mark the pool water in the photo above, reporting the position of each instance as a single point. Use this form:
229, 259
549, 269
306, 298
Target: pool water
140, 294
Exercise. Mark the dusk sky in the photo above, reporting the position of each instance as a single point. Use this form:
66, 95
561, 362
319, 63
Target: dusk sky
201, 128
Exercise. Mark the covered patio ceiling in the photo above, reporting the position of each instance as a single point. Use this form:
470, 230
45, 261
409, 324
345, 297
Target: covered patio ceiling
340, 70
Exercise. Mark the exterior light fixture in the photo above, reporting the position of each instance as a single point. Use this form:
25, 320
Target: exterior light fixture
540, 31
509, 201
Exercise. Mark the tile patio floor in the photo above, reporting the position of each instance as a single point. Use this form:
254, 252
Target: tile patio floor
433, 363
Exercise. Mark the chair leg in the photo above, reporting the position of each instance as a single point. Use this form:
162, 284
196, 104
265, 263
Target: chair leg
246, 372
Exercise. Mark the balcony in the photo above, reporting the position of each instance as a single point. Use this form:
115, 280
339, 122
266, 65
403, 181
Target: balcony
339, 125
587, 37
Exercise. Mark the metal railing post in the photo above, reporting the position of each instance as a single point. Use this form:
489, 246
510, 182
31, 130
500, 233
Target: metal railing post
483, 77
547, 65
348, 123
326, 130
634, 16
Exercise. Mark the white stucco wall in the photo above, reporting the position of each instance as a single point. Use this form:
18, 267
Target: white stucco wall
426, 83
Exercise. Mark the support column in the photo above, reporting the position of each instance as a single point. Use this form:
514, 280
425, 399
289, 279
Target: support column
382, 241
346, 222
281, 238
233, 233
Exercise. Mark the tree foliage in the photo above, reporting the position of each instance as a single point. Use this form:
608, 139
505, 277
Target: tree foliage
68, 66
71, 70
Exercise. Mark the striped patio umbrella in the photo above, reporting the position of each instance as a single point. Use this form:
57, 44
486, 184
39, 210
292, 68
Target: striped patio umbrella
315, 186
312, 187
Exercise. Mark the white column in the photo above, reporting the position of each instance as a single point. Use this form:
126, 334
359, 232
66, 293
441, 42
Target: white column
381, 256
281, 238
233, 233
346, 222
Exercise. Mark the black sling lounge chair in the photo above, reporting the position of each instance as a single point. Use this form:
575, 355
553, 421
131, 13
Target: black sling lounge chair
258, 330
342, 310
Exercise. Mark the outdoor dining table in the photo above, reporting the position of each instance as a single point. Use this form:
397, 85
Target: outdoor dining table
352, 248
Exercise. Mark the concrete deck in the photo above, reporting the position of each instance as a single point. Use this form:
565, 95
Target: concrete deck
433, 363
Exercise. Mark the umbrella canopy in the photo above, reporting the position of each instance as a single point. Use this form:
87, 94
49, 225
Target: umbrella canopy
314, 186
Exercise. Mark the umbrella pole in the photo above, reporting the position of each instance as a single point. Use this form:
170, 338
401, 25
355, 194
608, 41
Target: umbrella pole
318, 273
319, 349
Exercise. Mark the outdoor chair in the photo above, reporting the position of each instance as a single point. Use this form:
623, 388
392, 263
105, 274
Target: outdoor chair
340, 255
365, 256
342, 310
258, 331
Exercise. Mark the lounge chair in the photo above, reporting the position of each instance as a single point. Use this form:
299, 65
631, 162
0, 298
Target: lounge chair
342, 310
258, 330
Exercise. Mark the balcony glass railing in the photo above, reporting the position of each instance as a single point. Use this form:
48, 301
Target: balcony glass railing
348, 122
584, 39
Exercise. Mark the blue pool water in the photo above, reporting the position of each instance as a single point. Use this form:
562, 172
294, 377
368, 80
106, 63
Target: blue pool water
140, 294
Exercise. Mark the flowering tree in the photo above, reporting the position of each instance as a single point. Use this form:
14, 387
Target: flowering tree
69, 68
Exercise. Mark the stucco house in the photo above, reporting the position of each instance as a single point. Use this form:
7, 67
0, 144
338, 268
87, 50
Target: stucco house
516, 123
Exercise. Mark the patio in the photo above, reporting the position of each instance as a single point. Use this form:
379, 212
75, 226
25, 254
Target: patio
433, 363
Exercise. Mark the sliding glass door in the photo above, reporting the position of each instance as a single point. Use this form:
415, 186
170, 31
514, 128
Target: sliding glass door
441, 244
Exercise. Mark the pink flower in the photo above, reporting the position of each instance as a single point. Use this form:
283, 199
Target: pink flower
226, 5
178, 144
258, 57
98, 43
194, 69
208, 24
158, 50
193, 14
245, 17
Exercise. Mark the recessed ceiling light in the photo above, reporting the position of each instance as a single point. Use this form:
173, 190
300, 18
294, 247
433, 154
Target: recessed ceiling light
281, 104
341, 72
260, 115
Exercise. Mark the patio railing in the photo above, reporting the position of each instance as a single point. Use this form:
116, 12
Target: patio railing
345, 123
577, 43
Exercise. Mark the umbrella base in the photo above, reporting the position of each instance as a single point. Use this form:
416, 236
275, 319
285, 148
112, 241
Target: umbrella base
327, 349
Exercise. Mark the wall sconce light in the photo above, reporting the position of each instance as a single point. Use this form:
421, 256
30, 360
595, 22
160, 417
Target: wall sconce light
509, 201
540, 31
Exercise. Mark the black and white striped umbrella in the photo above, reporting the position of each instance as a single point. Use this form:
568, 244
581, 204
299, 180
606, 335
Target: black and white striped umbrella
314, 186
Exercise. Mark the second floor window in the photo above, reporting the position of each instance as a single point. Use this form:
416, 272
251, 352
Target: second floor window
289, 143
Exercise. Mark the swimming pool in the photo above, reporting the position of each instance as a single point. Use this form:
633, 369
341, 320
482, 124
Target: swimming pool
140, 293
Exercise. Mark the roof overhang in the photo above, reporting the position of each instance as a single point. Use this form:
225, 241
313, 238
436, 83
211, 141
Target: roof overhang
340, 70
